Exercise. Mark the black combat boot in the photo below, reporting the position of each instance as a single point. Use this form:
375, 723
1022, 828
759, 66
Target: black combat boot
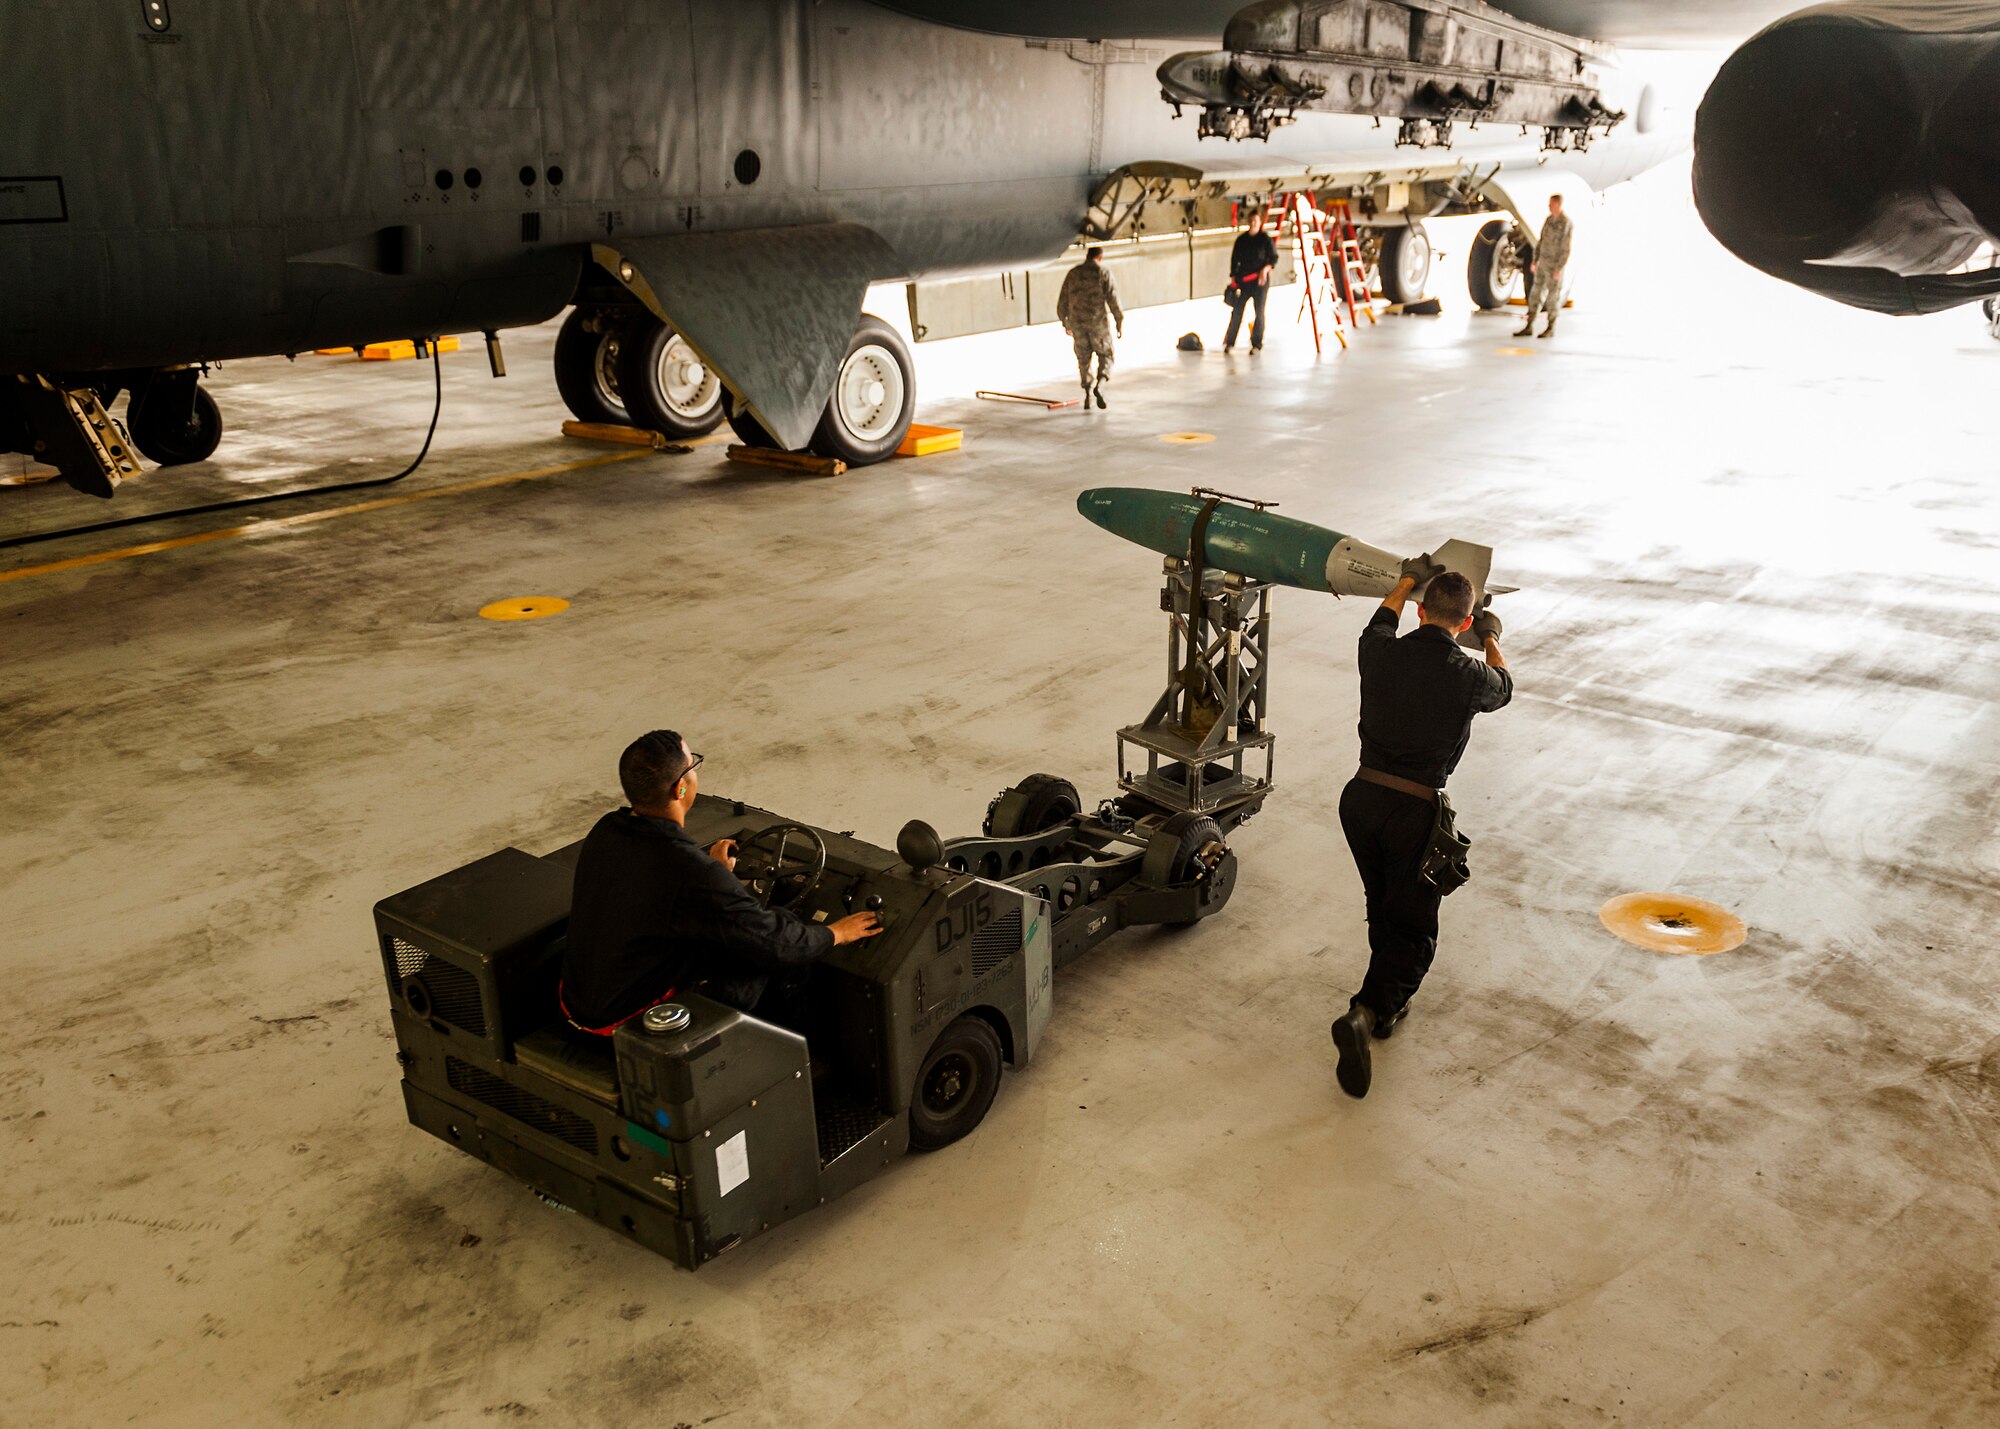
1350, 1038
1384, 1030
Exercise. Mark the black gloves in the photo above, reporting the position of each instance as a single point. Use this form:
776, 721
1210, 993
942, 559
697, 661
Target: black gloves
1486, 626
1422, 569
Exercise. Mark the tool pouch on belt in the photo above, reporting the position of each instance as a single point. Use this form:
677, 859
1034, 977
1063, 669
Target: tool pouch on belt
1445, 866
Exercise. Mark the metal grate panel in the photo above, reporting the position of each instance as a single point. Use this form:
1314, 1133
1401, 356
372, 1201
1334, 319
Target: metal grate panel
537, 1113
996, 942
455, 996
842, 1121
409, 957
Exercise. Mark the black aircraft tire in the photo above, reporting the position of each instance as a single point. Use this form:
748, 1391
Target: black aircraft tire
874, 397
955, 1085
1405, 267
173, 443
1488, 289
665, 385
1045, 800
587, 372
749, 431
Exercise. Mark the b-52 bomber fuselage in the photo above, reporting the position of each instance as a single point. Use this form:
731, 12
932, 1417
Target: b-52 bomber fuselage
715, 186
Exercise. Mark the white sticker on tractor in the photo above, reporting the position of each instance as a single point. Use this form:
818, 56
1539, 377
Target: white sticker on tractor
732, 1162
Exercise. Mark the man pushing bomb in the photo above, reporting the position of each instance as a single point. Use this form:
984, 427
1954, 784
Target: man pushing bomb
1418, 696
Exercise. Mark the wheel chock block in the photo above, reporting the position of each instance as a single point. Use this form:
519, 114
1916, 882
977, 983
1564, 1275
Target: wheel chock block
623, 436
923, 441
393, 351
331, 351
789, 461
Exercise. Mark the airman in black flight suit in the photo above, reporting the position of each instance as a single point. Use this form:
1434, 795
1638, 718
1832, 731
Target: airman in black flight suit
1251, 263
652, 914
1418, 696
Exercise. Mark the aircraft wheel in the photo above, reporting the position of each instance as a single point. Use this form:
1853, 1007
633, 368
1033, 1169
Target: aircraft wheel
170, 438
956, 1084
874, 398
1406, 263
665, 385
1040, 801
1494, 266
749, 431
587, 372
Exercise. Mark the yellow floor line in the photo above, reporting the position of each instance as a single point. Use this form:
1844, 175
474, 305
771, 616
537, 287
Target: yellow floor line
254, 528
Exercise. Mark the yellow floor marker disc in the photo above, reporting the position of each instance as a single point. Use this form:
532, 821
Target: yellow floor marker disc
1517, 351
1672, 923
524, 607
1188, 439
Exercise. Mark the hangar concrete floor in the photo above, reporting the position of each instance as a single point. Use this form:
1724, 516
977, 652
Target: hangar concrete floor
1756, 542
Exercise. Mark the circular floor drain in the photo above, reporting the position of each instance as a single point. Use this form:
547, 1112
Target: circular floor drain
524, 607
1188, 439
1672, 923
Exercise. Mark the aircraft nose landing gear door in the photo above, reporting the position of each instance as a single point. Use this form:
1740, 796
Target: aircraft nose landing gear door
753, 76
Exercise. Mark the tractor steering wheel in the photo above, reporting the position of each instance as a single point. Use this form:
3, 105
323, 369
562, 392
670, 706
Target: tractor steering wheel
782, 865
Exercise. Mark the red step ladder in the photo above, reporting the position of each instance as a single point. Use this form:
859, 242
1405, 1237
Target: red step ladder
1322, 284
1359, 297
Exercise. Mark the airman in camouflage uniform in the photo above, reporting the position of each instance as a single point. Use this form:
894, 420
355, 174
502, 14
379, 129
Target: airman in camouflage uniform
1086, 308
1551, 257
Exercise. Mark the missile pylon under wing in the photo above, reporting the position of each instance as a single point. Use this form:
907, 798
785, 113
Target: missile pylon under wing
1265, 546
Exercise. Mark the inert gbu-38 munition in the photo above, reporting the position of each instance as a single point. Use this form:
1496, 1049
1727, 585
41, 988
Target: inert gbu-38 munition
1265, 546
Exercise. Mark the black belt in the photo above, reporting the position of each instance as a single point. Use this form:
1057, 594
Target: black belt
1400, 785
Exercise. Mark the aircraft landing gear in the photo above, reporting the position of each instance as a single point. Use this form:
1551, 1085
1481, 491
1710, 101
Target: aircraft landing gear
628, 368
1405, 268
869, 412
1499, 260
173, 421
874, 397
665, 385
587, 369
63, 422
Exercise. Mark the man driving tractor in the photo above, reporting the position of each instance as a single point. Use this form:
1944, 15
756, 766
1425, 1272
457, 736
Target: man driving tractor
652, 914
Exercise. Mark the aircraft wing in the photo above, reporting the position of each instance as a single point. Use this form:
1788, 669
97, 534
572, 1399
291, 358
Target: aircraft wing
1638, 23
1653, 24
1067, 20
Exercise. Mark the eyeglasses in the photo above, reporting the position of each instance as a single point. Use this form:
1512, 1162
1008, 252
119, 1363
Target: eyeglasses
694, 763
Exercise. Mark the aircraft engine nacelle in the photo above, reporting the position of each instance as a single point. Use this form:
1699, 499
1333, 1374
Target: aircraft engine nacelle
1854, 149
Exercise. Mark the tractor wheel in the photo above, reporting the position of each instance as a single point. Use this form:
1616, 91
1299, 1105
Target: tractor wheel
956, 1084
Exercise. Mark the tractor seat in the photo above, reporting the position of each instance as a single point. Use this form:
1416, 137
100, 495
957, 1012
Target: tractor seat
580, 1061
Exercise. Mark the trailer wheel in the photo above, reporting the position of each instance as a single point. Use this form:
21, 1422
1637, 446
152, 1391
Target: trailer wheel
1179, 853
955, 1085
1038, 802
1175, 854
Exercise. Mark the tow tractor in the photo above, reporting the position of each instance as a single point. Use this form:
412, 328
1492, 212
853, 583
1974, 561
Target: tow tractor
697, 1127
